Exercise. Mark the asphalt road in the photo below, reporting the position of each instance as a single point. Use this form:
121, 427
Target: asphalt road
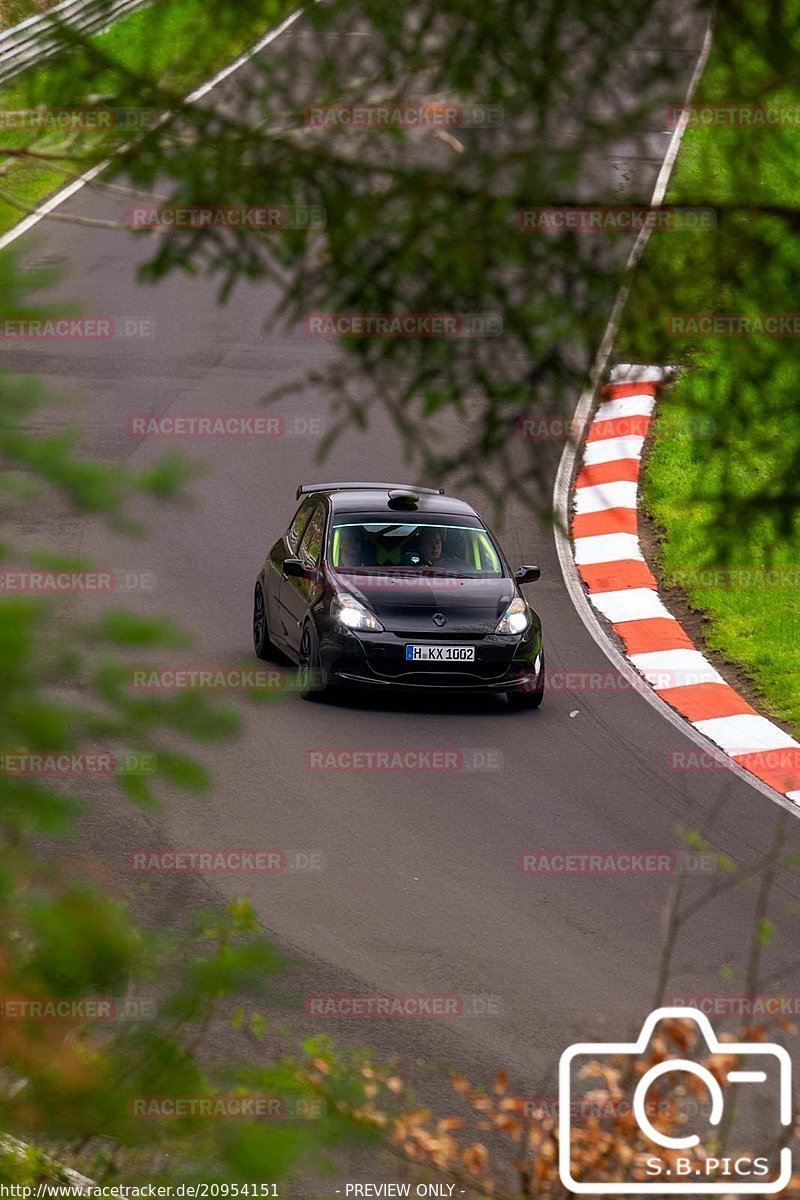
421, 892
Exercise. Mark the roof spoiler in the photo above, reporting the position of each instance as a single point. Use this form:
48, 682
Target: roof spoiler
304, 488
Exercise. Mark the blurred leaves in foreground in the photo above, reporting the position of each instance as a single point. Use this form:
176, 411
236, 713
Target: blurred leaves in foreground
81, 1037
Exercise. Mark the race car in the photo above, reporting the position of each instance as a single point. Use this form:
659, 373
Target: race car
399, 587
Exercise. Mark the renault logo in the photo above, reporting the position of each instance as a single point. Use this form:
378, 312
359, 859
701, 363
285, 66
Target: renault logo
439, 619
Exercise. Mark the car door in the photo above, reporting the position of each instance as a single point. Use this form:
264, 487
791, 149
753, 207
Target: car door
296, 595
285, 547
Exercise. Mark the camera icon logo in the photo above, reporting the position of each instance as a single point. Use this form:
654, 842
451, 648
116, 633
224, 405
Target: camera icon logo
664, 1169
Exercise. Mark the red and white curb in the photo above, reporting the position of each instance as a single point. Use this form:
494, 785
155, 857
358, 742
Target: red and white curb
621, 586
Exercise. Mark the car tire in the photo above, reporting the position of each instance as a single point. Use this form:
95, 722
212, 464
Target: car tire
311, 682
532, 698
262, 643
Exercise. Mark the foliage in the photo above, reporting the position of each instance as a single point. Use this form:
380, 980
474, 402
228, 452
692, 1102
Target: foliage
422, 220
73, 940
721, 481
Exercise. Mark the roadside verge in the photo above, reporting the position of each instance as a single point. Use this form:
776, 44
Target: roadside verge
155, 41
622, 588
563, 490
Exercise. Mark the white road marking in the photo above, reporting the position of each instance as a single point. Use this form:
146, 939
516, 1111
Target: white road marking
625, 406
48, 206
632, 372
675, 668
606, 548
745, 734
629, 604
609, 449
562, 490
605, 495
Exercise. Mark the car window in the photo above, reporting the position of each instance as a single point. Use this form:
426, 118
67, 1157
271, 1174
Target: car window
360, 543
311, 544
295, 530
485, 558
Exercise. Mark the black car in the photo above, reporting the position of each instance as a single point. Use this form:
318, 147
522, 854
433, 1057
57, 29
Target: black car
399, 587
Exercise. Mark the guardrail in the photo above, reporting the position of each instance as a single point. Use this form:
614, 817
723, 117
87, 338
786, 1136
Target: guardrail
36, 39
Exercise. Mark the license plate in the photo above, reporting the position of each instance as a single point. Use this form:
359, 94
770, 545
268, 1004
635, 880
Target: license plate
446, 654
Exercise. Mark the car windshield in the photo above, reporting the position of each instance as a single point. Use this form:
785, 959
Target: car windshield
403, 546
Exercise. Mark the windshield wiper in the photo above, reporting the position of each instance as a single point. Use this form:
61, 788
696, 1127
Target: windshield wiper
424, 569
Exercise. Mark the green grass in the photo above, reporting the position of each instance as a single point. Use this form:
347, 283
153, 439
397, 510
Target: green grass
753, 626
721, 495
14, 11
172, 43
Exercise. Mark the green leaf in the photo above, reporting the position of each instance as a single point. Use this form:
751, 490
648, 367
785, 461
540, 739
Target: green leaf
183, 771
765, 931
122, 628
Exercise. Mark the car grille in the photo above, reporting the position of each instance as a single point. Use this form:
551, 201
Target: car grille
434, 679
438, 635
388, 662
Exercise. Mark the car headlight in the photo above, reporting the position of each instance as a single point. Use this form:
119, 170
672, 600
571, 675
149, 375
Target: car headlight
515, 618
353, 615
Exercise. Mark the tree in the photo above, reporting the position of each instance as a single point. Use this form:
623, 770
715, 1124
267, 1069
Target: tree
422, 216
102, 1019
422, 221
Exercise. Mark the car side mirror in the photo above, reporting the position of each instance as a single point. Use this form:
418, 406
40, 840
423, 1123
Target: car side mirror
293, 568
527, 574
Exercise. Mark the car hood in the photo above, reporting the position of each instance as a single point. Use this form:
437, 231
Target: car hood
408, 603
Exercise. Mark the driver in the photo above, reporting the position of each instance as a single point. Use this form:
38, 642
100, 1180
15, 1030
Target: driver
436, 552
431, 546
352, 547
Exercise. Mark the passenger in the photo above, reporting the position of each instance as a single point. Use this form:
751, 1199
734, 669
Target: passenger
353, 549
454, 553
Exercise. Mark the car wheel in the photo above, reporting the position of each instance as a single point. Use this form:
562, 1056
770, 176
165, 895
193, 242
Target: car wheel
264, 647
532, 698
310, 681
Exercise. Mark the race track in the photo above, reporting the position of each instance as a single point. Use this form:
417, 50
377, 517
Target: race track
421, 892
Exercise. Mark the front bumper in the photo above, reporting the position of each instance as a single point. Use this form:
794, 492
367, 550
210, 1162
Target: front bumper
501, 663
